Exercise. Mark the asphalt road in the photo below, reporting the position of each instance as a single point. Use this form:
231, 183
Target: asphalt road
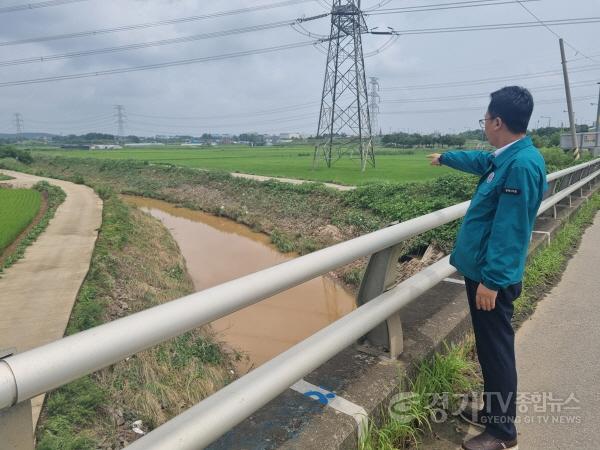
558, 355
558, 362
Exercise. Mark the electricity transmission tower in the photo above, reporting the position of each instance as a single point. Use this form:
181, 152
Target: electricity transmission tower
19, 125
344, 119
374, 100
120, 115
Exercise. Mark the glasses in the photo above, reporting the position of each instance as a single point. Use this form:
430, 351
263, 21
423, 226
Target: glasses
482, 122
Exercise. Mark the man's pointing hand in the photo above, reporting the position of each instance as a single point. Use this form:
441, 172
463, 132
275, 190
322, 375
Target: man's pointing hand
435, 159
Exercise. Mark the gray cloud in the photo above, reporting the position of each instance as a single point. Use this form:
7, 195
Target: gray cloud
275, 80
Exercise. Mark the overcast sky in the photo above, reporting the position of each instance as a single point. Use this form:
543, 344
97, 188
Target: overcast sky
281, 91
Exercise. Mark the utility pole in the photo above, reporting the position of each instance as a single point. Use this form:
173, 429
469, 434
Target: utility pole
120, 115
344, 118
374, 100
598, 119
19, 126
569, 101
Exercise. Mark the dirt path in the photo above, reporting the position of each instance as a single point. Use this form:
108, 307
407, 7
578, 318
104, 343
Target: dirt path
339, 187
37, 293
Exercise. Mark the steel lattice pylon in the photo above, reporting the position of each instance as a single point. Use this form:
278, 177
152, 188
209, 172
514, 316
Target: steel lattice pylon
344, 122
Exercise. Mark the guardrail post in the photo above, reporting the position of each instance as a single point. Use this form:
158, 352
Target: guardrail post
552, 188
16, 423
583, 173
380, 276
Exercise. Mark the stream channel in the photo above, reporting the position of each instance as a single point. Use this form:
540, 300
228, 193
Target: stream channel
217, 250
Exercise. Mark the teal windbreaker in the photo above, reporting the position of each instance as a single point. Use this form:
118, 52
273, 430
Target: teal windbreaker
491, 247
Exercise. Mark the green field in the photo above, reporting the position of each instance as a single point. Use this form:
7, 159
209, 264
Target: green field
18, 207
289, 162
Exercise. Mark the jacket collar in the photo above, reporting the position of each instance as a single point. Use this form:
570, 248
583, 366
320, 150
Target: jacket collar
511, 151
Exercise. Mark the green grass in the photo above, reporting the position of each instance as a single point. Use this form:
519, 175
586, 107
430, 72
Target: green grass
392, 165
5, 177
54, 197
450, 372
288, 162
18, 207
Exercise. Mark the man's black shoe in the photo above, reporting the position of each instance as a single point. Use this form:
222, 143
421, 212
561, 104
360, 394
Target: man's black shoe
486, 441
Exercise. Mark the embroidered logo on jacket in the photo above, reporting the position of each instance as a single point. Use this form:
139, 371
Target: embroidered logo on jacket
490, 177
512, 191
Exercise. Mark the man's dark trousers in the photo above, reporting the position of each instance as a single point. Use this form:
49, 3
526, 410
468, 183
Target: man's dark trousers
495, 342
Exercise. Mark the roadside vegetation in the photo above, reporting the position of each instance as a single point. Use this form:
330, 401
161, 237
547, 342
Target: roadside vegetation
136, 265
455, 371
452, 372
5, 177
50, 197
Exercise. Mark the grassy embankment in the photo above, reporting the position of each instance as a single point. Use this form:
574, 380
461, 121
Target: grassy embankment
135, 265
38, 206
455, 371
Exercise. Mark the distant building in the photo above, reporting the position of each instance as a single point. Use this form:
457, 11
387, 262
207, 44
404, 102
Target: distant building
105, 147
289, 136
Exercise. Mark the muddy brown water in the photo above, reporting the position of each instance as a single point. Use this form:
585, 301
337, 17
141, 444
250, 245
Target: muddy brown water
217, 250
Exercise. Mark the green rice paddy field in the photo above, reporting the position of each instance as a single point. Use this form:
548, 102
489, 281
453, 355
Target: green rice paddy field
289, 162
18, 207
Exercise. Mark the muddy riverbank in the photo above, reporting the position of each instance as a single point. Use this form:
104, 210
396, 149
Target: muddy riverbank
216, 250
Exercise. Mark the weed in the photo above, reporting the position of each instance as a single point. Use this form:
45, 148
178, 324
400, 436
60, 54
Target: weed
282, 241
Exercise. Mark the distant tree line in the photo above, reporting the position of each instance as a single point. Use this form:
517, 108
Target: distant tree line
412, 140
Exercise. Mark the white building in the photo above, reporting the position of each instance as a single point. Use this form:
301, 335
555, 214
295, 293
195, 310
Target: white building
105, 147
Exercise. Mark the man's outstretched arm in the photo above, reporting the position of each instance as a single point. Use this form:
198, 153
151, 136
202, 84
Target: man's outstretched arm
475, 162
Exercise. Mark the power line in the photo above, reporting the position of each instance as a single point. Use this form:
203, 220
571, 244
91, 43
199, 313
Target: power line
488, 27
143, 45
228, 116
477, 108
531, 13
89, 119
180, 62
154, 24
29, 6
486, 94
443, 6
229, 124
490, 80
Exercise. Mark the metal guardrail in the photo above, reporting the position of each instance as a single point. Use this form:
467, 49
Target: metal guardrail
36, 371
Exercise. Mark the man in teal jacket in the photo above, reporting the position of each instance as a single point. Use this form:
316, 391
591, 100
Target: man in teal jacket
491, 251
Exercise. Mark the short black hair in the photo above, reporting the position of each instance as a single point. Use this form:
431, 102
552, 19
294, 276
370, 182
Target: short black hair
514, 105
